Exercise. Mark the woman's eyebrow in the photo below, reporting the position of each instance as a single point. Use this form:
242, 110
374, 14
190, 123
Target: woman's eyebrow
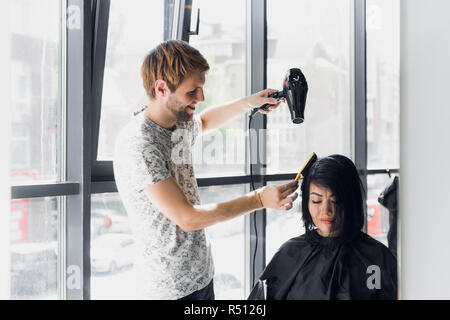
317, 194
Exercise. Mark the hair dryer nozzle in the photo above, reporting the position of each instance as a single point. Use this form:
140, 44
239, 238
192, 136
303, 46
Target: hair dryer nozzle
298, 120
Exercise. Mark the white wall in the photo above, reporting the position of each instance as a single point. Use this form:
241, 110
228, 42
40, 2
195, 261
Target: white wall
425, 149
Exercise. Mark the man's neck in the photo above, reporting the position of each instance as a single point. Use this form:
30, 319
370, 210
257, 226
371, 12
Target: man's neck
160, 115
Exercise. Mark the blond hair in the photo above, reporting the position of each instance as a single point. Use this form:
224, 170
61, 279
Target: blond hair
171, 61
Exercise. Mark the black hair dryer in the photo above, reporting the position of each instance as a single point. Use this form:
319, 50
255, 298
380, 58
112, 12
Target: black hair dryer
295, 89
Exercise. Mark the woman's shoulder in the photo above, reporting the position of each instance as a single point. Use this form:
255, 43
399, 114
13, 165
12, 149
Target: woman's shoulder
295, 243
371, 244
286, 258
371, 241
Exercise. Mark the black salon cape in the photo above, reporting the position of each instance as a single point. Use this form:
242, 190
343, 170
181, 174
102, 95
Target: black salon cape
318, 268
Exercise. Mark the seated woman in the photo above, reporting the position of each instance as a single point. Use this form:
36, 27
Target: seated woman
333, 259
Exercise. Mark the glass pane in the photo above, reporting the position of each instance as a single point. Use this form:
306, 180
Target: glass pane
378, 223
228, 244
223, 43
35, 90
34, 248
282, 225
112, 270
112, 256
383, 84
135, 27
315, 37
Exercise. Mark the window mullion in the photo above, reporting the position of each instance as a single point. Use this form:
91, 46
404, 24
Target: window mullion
79, 146
256, 22
360, 114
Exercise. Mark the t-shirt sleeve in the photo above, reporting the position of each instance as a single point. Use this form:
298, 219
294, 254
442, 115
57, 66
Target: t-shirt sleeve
153, 167
197, 128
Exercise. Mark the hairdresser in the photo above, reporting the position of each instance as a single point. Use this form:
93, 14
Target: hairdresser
160, 194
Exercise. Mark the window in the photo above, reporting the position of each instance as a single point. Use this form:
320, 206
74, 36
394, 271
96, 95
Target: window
383, 108
112, 249
282, 225
383, 83
135, 27
35, 96
227, 240
33, 250
378, 217
315, 37
222, 41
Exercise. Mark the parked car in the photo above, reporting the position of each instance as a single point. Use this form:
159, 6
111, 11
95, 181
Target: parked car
33, 269
109, 221
111, 252
100, 223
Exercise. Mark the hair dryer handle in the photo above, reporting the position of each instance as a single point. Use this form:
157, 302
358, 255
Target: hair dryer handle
277, 95
264, 107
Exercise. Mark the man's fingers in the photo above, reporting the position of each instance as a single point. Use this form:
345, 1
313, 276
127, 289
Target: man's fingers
274, 106
288, 200
286, 207
268, 92
271, 107
289, 184
285, 187
292, 183
288, 191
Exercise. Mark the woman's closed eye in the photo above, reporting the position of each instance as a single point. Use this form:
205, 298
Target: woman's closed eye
316, 202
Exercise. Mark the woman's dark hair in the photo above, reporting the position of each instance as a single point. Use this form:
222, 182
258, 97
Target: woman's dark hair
339, 174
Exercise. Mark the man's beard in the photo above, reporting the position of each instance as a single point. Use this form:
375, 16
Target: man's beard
178, 109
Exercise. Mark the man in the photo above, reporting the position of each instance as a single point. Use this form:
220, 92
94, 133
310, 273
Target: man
160, 193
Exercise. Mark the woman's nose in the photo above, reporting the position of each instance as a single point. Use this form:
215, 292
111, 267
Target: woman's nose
327, 208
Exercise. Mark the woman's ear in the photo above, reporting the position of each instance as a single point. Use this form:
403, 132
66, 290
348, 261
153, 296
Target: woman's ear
161, 88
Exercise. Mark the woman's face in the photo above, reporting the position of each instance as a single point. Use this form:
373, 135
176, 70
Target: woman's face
322, 206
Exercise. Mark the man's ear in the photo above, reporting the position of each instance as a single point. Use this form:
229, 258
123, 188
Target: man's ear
161, 88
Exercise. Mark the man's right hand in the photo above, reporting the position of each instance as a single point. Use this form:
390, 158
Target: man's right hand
278, 197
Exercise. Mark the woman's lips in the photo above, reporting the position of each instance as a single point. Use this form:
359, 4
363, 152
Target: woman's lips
327, 221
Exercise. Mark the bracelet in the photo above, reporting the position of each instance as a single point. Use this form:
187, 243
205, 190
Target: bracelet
259, 197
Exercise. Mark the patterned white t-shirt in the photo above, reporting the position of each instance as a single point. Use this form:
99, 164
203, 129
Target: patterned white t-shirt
170, 263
